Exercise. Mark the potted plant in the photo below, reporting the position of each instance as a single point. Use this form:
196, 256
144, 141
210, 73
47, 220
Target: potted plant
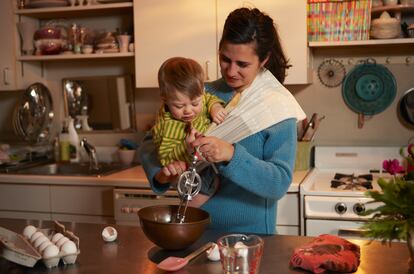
393, 219
126, 151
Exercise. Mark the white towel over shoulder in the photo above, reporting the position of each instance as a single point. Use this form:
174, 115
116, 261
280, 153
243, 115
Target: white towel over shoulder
264, 103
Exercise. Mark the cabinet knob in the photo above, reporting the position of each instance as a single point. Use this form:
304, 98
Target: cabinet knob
6, 76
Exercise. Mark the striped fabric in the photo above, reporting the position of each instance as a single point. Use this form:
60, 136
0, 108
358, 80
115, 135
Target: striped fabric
340, 20
169, 133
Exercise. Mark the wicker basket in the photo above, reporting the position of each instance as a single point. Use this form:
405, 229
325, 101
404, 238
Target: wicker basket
385, 27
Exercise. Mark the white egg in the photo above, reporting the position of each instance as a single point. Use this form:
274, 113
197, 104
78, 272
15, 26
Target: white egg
109, 234
213, 253
43, 246
50, 251
36, 235
61, 241
28, 231
40, 240
56, 237
68, 248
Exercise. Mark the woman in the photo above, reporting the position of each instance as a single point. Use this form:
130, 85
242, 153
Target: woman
256, 171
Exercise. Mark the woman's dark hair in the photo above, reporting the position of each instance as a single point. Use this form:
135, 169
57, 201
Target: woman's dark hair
246, 25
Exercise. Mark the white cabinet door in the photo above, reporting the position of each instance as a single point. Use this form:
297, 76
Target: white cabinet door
8, 46
290, 19
164, 29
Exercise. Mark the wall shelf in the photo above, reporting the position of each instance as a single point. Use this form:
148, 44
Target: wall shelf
393, 8
76, 11
372, 42
74, 56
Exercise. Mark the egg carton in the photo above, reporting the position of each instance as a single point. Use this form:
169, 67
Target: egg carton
18, 249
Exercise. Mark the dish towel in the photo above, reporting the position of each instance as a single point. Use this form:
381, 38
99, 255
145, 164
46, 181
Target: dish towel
327, 253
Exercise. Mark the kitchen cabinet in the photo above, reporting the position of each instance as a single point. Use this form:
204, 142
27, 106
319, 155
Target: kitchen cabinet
290, 18
24, 201
164, 29
82, 203
8, 47
288, 214
195, 31
91, 204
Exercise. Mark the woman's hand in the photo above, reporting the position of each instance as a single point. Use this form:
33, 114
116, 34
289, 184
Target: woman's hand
170, 172
214, 149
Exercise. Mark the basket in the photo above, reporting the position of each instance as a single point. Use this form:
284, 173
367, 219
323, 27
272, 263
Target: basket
340, 20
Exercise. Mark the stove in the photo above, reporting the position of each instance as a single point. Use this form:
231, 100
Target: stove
332, 195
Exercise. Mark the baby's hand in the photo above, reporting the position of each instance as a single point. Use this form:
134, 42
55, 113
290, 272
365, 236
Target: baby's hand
218, 113
189, 138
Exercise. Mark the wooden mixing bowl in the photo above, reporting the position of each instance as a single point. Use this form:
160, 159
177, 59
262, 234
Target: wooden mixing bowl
156, 222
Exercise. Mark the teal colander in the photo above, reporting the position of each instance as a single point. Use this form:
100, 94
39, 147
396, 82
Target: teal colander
369, 88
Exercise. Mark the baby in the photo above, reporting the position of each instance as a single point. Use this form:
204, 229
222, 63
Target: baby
186, 108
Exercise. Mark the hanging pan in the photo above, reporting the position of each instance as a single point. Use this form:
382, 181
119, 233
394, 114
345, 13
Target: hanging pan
368, 89
406, 107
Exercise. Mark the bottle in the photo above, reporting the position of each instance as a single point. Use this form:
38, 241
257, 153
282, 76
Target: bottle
73, 142
64, 145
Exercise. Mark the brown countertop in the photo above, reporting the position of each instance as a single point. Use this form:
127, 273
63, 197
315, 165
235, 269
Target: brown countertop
133, 177
133, 253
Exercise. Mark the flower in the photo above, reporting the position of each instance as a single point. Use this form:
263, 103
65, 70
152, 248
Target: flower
392, 166
394, 217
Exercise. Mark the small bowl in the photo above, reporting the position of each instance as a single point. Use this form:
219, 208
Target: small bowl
156, 222
87, 49
49, 46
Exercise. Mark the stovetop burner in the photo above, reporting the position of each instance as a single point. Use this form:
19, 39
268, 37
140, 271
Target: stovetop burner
350, 181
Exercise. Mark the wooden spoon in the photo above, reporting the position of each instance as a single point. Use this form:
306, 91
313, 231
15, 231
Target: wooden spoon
176, 263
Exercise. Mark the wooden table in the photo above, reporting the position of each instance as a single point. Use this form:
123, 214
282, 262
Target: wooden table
133, 253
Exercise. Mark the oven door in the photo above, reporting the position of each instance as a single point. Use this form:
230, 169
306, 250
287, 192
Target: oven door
341, 228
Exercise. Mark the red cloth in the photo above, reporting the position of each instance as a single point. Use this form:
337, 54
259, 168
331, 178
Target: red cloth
327, 253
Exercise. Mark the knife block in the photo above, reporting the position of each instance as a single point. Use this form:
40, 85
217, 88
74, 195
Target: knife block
303, 155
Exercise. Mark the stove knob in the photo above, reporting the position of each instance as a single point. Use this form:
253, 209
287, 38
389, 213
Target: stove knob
340, 208
359, 208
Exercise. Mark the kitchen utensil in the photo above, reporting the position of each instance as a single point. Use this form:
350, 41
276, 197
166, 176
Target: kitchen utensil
311, 127
368, 89
331, 73
176, 263
188, 186
406, 107
157, 222
34, 114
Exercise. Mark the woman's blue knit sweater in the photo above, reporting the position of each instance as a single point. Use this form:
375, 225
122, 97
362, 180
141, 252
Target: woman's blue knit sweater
258, 175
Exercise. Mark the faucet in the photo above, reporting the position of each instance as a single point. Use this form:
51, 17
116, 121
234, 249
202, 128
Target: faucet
91, 150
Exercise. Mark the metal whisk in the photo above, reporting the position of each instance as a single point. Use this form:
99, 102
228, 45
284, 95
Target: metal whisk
189, 184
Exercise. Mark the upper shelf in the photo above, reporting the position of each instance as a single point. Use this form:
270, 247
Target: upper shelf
76, 11
73, 56
372, 42
393, 8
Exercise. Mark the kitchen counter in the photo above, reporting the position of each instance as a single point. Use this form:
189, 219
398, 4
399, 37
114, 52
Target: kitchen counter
133, 177
133, 253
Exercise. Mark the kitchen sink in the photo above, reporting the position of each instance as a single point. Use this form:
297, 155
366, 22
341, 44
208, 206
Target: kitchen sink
70, 169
